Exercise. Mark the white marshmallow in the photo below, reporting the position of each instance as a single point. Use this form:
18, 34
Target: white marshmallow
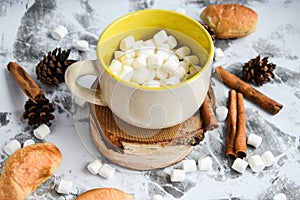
157, 197
152, 83
189, 165
107, 171
173, 80
149, 43
126, 73
12, 146
126, 43
268, 158
28, 142
145, 51
128, 54
162, 46
94, 166
256, 163
183, 51
194, 69
128, 62
160, 37
151, 74
219, 55
239, 165
82, 45
179, 72
140, 61
194, 60
59, 32
155, 61
164, 53
118, 54
221, 113
205, 164
185, 65
41, 132
170, 63
177, 175
115, 66
254, 140
140, 75
64, 187
79, 101
138, 45
280, 196
161, 74
172, 42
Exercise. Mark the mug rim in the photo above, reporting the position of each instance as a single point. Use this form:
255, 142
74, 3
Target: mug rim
191, 79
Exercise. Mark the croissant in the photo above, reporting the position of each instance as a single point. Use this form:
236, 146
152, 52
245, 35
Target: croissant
105, 194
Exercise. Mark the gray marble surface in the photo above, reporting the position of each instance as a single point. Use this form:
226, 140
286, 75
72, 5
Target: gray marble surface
25, 38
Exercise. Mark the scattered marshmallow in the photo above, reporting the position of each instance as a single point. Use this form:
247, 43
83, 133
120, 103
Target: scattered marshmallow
79, 101
189, 165
221, 113
177, 175
59, 32
64, 187
183, 51
126, 43
160, 37
82, 45
254, 140
239, 165
28, 142
219, 55
280, 196
268, 158
42, 131
157, 197
256, 163
205, 164
12, 146
107, 171
94, 166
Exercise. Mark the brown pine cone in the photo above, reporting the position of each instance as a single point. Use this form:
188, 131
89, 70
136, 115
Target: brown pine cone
210, 31
51, 70
258, 71
38, 113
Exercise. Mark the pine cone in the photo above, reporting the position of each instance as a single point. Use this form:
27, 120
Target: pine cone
258, 71
51, 70
38, 113
210, 31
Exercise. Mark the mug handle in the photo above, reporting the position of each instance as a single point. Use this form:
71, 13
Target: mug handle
82, 68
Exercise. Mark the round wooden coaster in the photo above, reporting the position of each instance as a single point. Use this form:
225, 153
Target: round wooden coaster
140, 148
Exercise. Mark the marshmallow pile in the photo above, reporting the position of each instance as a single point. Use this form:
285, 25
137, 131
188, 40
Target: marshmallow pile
189, 165
154, 62
256, 162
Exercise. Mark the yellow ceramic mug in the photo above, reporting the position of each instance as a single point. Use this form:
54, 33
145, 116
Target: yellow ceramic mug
143, 106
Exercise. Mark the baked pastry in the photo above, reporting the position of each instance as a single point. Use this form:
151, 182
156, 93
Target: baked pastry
230, 20
27, 169
105, 194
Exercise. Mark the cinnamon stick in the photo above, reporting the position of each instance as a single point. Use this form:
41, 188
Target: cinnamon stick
25, 81
248, 91
207, 114
231, 125
240, 139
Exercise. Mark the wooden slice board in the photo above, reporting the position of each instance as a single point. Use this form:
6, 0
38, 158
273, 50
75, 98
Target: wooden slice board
139, 148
